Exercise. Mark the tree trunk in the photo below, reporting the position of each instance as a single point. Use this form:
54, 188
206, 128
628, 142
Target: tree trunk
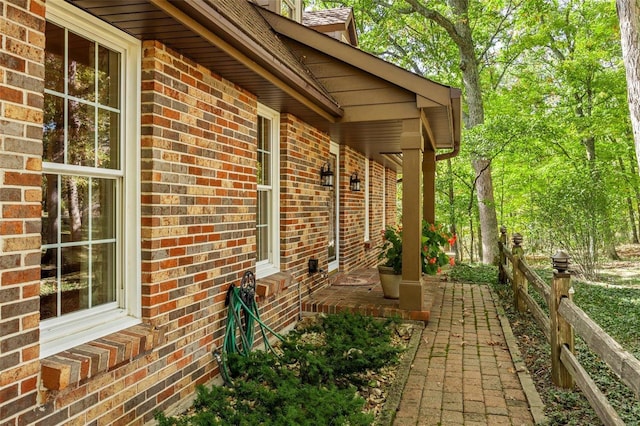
632, 216
459, 29
74, 209
632, 221
635, 188
475, 116
486, 209
629, 16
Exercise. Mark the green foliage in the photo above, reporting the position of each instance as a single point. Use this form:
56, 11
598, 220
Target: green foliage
311, 382
474, 273
434, 240
391, 252
615, 309
432, 255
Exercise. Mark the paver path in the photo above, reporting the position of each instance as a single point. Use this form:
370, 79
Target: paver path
463, 373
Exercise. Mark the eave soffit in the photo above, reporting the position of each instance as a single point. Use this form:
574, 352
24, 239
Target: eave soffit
428, 93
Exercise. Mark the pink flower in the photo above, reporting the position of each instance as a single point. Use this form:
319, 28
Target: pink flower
432, 260
452, 261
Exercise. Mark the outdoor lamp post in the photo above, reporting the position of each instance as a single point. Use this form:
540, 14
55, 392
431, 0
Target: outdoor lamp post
560, 261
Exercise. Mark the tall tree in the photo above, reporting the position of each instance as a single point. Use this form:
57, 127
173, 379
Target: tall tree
458, 27
629, 17
479, 34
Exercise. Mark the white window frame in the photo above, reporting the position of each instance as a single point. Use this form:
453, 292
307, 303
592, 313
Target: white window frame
61, 333
367, 207
295, 6
384, 198
271, 266
335, 150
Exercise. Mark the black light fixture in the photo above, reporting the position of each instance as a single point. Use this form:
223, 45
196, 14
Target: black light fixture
313, 265
326, 175
354, 182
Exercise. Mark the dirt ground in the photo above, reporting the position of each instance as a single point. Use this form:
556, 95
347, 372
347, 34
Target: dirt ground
627, 270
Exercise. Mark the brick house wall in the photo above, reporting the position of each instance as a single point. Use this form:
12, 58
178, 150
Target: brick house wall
376, 199
304, 217
391, 188
198, 219
21, 101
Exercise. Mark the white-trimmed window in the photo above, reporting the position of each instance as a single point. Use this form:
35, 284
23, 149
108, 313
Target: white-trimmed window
90, 202
291, 9
367, 209
268, 202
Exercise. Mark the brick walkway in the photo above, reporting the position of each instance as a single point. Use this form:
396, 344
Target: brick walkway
463, 373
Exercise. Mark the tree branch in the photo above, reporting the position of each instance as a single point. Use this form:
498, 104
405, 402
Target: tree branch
438, 18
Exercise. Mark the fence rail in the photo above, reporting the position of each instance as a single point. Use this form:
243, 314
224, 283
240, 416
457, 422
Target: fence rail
564, 320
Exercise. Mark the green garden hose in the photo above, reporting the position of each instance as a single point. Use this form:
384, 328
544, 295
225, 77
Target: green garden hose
241, 321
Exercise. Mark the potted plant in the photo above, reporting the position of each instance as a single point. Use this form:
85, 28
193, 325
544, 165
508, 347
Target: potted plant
390, 271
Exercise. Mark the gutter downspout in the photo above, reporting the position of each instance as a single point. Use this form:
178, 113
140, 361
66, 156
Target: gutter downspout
453, 153
456, 125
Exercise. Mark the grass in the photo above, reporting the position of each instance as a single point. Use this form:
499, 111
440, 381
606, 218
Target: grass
313, 378
616, 310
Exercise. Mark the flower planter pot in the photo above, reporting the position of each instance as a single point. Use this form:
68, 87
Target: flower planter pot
390, 282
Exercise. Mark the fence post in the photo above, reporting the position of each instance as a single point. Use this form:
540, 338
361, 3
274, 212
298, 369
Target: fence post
561, 330
519, 281
502, 242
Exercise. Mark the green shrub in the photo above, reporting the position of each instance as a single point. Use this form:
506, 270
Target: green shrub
310, 381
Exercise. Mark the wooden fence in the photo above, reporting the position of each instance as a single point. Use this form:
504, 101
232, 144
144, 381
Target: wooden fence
566, 318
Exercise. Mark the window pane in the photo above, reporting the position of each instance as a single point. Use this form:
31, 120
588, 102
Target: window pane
108, 77
54, 58
264, 168
262, 236
49, 284
75, 208
262, 225
74, 279
81, 134
103, 284
332, 207
108, 139
81, 67
53, 129
264, 134
103, 201
50, 195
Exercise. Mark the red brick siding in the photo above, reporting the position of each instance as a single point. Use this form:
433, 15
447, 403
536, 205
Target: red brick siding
21, 100
376, 189
391, 206
198, 213
352, 211
198, 200
304, 216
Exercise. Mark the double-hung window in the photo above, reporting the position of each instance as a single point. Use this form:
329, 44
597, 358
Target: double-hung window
268, 202
90, 198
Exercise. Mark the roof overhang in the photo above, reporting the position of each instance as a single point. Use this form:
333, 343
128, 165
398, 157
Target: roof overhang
374, 129
198, 30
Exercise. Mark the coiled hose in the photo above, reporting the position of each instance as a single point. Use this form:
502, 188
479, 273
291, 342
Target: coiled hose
242, 317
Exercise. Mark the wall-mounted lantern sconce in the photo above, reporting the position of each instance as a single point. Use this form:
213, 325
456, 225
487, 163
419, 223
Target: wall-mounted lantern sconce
326, 175
313, 265
354, 182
